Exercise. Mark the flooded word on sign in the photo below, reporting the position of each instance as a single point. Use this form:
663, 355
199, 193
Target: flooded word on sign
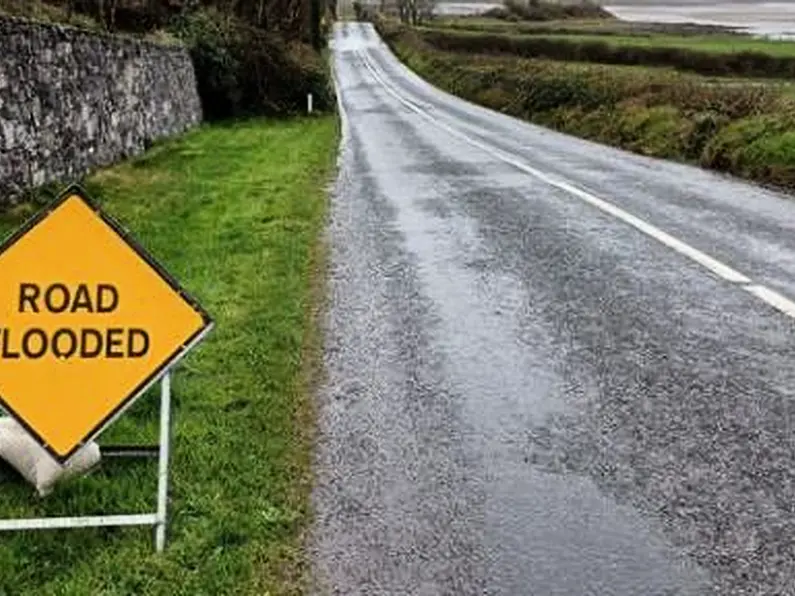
67, 342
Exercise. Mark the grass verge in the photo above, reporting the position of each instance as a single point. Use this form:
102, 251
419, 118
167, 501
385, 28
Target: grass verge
235, 212
744, 128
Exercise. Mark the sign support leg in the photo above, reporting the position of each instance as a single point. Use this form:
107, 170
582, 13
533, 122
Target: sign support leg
158, 519
162, 464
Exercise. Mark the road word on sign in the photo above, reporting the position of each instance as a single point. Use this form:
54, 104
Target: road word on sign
88, 321
109, 342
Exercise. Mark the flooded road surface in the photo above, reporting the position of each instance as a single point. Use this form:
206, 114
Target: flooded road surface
760, 18
553, 368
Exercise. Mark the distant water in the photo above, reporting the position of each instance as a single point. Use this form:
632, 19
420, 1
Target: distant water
464, 8
773, 19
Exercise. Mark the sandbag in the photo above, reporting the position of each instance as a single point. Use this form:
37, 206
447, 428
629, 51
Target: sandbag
33, 462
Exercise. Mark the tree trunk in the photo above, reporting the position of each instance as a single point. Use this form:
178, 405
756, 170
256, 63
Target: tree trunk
112, 15
101, 13
314, 24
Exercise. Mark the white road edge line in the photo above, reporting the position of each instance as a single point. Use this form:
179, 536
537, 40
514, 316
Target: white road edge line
770, 297
773, 298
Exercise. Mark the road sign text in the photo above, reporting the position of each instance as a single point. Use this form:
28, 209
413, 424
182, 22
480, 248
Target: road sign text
88, 321
66, 342
58, 298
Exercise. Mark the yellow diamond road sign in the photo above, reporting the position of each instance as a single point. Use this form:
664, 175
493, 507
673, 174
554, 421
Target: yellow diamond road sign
88, 321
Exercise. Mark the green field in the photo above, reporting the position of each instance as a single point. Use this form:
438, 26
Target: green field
235, 213
585, 25
726, 56
718, 44
619, 33
491, 24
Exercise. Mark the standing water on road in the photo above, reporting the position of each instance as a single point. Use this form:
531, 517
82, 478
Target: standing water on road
536, 381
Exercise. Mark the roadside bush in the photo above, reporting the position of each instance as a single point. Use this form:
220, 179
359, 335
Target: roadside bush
727, 150
549, 11
556, 92
732, 101
772, 158
705, 127
243, 70
497, 98
586, 10
660, 131
500, 13
599, 124
760, 147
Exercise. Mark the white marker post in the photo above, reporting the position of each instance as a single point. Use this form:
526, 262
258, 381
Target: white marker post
309, 103
162, 463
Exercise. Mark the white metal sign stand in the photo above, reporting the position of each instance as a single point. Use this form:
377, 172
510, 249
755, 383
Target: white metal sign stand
158, 519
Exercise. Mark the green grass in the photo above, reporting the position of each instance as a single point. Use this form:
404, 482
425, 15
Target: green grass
235, 213
621, 33
719, 44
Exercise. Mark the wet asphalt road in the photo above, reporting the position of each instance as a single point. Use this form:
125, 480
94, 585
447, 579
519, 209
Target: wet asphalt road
528, 395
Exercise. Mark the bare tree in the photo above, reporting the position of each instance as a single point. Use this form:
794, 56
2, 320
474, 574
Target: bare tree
101, 11
426, 10
112, 14
404, 10
416, 12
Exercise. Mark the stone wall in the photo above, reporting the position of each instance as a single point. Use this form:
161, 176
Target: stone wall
71, 101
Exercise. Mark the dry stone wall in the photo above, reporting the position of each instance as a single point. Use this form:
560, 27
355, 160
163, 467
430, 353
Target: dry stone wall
71, 101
